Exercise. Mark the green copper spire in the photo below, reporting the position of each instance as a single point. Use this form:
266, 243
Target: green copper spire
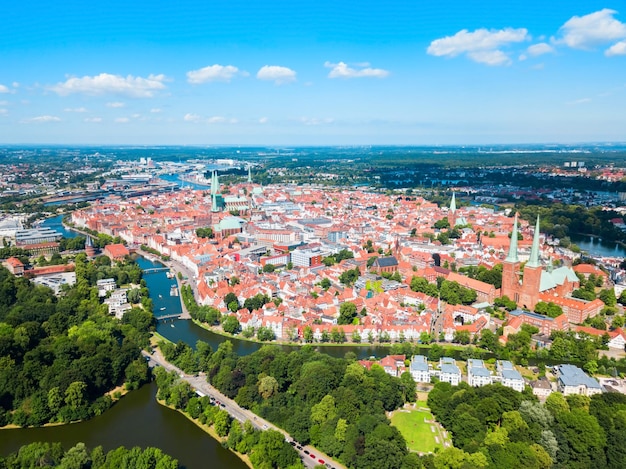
214, 203
512, 257
249, 175
212, 182
453, 203
533, 261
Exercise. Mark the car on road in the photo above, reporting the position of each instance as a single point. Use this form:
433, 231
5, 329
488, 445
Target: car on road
321, 461
312, 455
299, 447
306, 451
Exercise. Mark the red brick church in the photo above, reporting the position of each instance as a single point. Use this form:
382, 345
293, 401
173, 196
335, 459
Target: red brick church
527, 288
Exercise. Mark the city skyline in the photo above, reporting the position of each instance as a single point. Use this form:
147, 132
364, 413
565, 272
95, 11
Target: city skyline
301, 74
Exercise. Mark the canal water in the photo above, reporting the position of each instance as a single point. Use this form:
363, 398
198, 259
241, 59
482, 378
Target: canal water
136, 420
56, 223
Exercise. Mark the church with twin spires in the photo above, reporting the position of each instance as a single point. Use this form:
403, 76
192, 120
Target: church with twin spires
535, 283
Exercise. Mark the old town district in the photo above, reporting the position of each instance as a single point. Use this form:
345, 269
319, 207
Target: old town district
333, 265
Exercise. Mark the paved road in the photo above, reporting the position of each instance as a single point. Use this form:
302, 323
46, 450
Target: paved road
199, 383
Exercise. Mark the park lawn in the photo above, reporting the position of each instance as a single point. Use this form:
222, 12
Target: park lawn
417, 433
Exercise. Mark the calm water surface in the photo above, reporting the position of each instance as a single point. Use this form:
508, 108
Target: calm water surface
136, 420
597, 247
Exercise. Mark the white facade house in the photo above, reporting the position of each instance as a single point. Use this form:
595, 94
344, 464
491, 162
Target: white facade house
419, 369
541, 388
573, 380
509, 376
477, 374
449, 372
105, 285
118, 303
618, 341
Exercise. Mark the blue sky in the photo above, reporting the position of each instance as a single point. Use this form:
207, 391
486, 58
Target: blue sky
312, 72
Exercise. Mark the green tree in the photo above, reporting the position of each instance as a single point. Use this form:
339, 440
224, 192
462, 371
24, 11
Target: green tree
231, 325
307, 334
268, 386
75, 394
324, 410
347, 312
221, 423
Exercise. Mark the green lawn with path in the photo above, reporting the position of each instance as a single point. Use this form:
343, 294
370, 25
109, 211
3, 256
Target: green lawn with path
419, 435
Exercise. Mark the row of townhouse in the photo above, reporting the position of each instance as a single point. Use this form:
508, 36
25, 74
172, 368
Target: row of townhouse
477, 373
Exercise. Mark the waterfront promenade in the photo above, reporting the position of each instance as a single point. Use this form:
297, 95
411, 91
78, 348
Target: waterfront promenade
310, 456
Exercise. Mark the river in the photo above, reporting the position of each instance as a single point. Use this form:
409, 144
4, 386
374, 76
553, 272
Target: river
56, 223
136, 420
597, 247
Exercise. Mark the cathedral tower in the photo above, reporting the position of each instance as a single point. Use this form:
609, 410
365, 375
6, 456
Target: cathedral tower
532, 274
510, 269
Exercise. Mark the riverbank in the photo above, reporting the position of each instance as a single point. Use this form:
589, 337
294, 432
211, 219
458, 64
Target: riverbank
218, 331
113, 394
209, 430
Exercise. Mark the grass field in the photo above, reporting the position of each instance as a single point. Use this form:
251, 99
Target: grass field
418, 434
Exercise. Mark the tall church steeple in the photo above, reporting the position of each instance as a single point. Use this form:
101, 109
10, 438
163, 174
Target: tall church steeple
249, 174
452, 211
533, 261
512, 257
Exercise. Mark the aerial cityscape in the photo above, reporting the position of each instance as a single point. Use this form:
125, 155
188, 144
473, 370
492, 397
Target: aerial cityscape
373, 235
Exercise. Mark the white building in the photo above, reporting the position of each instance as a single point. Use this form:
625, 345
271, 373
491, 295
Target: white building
118, 303
105, 285
419, 369
509, 376
573, 380
477, 374
448, 371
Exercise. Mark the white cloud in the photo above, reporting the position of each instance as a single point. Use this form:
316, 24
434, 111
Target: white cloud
277, 74
618, 48
93, 119
316, 121
155, 110
585, 32
536, 50
15, 84
122, 120
263, 120
212, 73
115, 104
489, 57
75, 109
4, 89
41, 119
210, 120
105, 83
3, 111
342, 70
4, 103
216, 120
191, 117
482, 45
